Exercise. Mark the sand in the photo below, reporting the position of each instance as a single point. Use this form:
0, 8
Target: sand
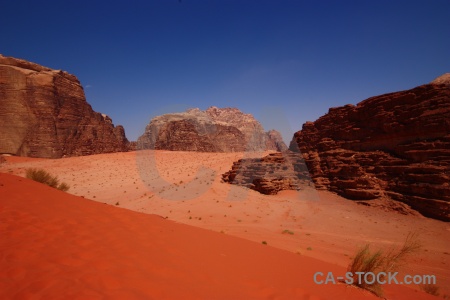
133, 253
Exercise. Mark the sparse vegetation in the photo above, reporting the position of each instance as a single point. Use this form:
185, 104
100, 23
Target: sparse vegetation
42, 176
381, 261
431, 289
287, 231
64, 187
309, 248
264, 242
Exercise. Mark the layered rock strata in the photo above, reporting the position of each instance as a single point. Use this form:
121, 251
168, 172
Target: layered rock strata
270, 174
44, 113
394, 146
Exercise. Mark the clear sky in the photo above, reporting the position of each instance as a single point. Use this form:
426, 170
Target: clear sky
285, 62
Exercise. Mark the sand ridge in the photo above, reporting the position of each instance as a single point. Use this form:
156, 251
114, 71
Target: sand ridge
324, 226
55, 245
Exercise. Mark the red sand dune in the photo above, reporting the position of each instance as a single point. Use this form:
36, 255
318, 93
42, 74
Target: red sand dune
58, 246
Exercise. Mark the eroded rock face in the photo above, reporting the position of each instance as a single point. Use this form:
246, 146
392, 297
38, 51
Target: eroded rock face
394, 146
212, 130
44, 113
270, 174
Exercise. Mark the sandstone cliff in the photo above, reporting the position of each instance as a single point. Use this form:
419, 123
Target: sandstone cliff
269, 175
394, 146
44, 113
212, 130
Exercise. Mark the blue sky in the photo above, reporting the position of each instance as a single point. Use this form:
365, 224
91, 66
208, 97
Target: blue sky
286, 62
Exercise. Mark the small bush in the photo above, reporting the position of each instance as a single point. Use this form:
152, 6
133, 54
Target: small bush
64, 187
379, 261
431, 289
44, 177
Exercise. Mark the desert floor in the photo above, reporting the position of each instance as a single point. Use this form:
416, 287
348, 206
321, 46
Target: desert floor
185, 187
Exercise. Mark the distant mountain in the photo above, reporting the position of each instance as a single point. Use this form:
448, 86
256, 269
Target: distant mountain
212, 130
44, 113
275, 141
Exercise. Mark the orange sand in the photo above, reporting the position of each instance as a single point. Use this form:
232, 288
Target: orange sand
51, 237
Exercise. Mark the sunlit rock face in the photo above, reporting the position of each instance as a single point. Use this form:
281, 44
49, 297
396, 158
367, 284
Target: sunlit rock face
395, 146
44, 113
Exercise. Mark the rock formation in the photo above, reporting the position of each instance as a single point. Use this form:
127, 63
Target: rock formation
274, 140
212, 130
443, 79
44, 113
394, 146
270, 174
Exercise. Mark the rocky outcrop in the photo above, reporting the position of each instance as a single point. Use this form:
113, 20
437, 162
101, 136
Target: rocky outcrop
270, 174
394, 146
44, 113
443, 79
212, 130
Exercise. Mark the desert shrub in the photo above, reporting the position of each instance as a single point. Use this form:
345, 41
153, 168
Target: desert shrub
381, 261
431, 289
64, 187
42, 176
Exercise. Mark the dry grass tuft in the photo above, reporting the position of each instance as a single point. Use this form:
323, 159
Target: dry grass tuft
381, 261
42, 176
